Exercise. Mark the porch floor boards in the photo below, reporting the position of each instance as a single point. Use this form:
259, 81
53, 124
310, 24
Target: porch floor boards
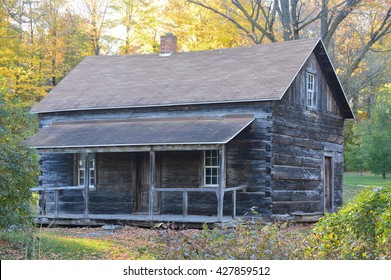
126, 218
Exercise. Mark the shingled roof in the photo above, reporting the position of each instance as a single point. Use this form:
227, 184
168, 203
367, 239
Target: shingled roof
254, 73
141, 132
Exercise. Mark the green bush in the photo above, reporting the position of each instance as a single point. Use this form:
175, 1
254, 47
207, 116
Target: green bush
359, 230
18, 164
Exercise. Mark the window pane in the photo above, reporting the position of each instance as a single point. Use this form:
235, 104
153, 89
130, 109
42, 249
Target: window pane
310, 100
82, 170
211, 167
310, 89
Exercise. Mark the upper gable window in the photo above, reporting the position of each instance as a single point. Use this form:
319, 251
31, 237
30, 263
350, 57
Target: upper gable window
310, 89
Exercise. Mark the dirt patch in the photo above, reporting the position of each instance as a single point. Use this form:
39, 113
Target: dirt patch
10, 251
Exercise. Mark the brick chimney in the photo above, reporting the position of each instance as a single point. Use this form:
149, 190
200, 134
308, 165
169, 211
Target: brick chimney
168, 44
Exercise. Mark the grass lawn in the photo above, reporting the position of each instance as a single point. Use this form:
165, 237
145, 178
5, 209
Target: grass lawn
74, 244
353, 183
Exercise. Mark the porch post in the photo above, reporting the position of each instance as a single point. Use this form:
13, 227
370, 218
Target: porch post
151, 182
220, 202
56, 204
86, 184
234, 204
185, 200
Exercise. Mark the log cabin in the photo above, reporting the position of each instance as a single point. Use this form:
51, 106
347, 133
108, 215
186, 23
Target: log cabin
193, 137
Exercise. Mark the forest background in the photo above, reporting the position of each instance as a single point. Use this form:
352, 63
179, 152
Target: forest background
42, 40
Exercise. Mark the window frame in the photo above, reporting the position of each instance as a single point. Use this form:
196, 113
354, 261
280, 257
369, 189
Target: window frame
211, 167
310, 89
92, 168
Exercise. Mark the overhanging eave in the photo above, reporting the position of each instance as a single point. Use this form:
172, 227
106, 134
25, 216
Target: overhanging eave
131, 135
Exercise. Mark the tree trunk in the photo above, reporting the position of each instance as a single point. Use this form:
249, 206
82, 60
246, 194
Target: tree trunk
333, 23
323, 20
284, 14
384, 175
294, 20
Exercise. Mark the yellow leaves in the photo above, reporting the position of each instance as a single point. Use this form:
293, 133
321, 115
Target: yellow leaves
201, 29
361, 115
360, 68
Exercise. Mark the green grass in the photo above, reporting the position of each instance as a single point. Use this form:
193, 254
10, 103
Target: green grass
354, 183
45, 246
53, 246
65, 248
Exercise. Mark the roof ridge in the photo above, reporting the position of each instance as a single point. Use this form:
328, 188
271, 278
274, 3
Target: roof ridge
206, 50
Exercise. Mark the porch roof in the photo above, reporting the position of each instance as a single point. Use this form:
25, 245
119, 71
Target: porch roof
141, 132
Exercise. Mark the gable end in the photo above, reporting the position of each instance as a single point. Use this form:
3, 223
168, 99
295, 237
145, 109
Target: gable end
332, 80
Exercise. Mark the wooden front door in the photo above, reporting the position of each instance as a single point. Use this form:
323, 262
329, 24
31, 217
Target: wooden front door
328, 184
142, 185
141, 195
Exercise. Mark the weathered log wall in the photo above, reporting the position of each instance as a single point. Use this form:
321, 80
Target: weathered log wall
180, 169
114, 188
302, 137
113, 193
56, 170
248, 163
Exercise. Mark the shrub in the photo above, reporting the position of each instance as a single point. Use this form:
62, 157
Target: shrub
271, 241
360, 230
18, 165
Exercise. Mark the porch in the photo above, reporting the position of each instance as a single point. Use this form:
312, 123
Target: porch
176, 179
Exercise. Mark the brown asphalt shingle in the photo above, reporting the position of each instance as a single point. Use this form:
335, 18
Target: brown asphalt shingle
260, 72
136, 132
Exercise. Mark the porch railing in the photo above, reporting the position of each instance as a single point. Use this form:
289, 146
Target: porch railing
219, 192
219, 195
56, 191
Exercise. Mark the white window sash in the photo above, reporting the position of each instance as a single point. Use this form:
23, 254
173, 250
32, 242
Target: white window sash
310, 89
211, 171
81, 171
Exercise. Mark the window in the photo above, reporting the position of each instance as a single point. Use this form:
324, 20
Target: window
82, 169
212, 168
310, 89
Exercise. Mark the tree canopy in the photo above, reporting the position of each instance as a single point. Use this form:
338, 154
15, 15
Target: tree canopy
41, 41
370, 147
